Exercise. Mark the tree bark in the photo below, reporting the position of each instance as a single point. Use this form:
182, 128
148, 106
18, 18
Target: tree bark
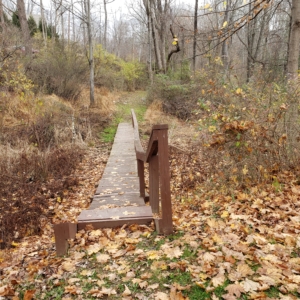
195, 35
105, 25
176, 44
91, 54
294, 42
44, 27
149, 61
24, 27
155, 37
224, 54
2, 21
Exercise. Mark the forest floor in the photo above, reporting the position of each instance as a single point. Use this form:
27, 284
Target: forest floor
239, 245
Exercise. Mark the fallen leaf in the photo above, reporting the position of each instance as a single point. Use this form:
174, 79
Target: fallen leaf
235, 289
68, 266
6, 291
153, 286
127, 291
161, 296
250, 286
108, 291
102, 258
29, 295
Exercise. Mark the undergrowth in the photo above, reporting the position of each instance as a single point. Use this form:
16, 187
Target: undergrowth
246, 133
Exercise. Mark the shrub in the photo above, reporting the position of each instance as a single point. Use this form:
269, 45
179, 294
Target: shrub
177, 98
246, 138
25, 186
59, 70
116, 74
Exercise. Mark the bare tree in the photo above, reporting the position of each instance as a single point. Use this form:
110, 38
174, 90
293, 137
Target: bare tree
2, 21
195, 35
294, 42
105, 2
24, 27
87, 5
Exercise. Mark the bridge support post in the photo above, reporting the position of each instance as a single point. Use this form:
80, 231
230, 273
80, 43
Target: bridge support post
154, 183
63, 232
165, 223
141, 174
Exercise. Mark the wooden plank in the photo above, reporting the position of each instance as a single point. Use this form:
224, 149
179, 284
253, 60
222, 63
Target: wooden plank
141, 175
63, 232
131, 212
97, 224
166, 223
154, 183
129, 199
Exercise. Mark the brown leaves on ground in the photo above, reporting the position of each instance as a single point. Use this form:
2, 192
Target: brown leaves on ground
241, 242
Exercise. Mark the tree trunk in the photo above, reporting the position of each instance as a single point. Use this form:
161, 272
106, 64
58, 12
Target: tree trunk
161, 16
44, 27
250, 41
176, 44
155, 37
73, 21
62, 26
294, 42
105, 25
149, 61
224, 54
195, 35
2, 21
91, 54
24, 27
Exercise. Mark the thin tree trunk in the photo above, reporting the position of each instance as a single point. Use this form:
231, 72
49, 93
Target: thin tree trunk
83, 24
44, 28
24, 27
91, 54
195, 35
155, 38
73, 22
250, 40
162, 31
2, 21
224, 54
175, 41
105, 25
294, 42
69, 27
150, 46
62, 26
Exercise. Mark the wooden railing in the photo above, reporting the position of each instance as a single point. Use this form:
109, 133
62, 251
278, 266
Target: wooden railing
157, 157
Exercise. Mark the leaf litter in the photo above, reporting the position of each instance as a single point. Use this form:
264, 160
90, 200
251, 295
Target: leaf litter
226, 245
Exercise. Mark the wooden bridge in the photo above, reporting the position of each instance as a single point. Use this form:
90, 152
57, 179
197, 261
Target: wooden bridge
120, 197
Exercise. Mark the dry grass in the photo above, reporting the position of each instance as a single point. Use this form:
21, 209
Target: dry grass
181, 134
104, 100
42, 140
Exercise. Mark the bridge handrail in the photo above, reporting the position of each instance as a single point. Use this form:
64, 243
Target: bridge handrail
157, 157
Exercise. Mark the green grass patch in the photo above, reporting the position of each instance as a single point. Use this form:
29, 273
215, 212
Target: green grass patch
123, 114
183, 278
197, 293
188, 253
108, 134
220, 290
272, 292
175, 236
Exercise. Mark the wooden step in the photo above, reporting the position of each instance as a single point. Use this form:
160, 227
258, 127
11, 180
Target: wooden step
114, 217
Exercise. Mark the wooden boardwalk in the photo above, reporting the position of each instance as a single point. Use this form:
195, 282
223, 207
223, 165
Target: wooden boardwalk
117, 199
120, 194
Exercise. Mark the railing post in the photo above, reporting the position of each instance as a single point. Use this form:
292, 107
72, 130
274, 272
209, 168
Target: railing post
154, 183
159, 174
63, 232
165, 224
141, 174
